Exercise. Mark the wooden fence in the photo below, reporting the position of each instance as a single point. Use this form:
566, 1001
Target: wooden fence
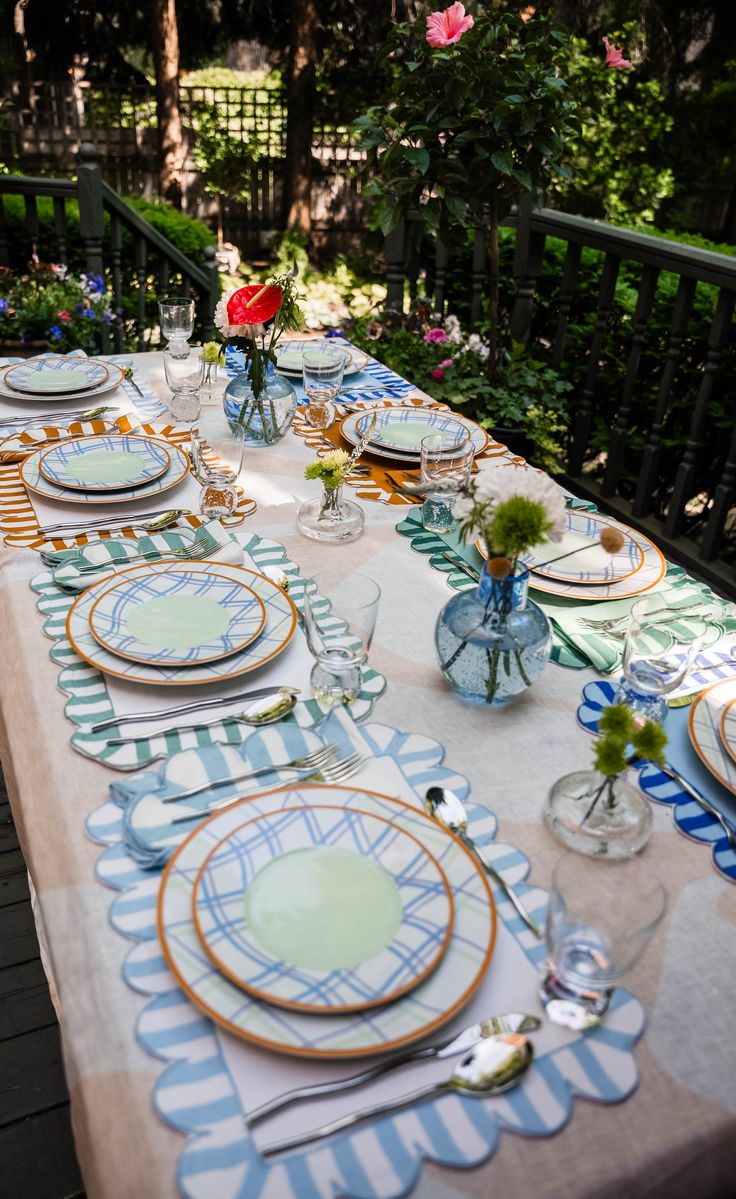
121, 123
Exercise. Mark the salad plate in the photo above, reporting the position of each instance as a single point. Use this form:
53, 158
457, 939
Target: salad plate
323, 908
106, 462
289, 355
115, 376
177, 617
54, 375
589, 563
178, 468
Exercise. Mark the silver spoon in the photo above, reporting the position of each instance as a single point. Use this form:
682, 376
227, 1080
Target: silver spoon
493, 1066
460, 1044
447, 808
268, 712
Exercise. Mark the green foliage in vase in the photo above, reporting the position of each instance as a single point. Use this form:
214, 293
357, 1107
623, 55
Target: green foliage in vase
623, 740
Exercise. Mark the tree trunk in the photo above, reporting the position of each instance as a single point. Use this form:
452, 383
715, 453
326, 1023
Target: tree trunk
300, 98
165, 42
22, 53
493, 272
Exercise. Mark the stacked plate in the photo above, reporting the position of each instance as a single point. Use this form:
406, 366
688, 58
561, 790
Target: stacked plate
326, 921
108, 468
182, 623
591, 573
712, 726
289, 355
399, 430
49, 378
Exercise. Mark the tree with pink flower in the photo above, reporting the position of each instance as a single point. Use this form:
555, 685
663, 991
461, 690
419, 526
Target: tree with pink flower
477, 112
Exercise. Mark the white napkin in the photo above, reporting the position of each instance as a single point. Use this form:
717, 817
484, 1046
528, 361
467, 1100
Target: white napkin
53, 512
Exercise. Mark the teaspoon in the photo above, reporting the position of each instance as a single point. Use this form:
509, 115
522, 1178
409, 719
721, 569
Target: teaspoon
448, 809
259, 713
493, 1066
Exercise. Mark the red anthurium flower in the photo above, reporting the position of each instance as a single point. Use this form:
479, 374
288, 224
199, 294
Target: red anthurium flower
253, 305
444, 28
615, 58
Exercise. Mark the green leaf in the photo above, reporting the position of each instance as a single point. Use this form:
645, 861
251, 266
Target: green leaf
501, 163
418, 158
457, 207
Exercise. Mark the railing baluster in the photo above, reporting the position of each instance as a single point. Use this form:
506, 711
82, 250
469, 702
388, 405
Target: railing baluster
60, 227
649, 469
684, 479
163, 276
584, 419
395, 257
411, 274
4, 252
440, 276
478, 273
32, 224
724, 497
116, 248
567, 291
141, 260
530, 270
91, 224
619, 435
212, 296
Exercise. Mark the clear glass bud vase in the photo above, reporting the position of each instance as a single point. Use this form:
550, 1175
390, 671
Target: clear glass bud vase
330, 517
598, 815
492, 641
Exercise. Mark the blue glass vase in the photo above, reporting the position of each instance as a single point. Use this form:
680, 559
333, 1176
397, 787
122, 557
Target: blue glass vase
493, 641
264, 419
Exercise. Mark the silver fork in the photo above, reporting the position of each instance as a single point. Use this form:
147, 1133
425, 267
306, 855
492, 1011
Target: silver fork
192, 553
336, 772
318, 757
605, 626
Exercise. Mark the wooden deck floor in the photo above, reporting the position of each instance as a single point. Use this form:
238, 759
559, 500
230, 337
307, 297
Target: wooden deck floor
37, 1158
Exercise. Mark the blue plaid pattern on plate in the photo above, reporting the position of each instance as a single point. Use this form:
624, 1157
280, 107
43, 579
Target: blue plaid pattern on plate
31, 476
169, 584
65, 464
606, 568
226, 932
281, 622
288, 355
404, 428
412, 1016
46, 375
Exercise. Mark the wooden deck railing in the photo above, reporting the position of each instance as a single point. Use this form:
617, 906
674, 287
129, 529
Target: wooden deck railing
103, 219
696, 493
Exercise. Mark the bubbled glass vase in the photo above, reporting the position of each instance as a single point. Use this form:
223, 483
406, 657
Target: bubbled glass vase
492, 641
265, 418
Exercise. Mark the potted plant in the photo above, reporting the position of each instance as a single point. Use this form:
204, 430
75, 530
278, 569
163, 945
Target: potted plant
47, 309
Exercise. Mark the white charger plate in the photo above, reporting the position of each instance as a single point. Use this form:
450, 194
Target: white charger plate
30, 473
55, 375
413, 1016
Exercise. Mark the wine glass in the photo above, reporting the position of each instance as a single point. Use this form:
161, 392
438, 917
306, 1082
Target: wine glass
339, 635
446, 459
217, 458
183, 371
601, 916
322, 374
176, 317
659, 649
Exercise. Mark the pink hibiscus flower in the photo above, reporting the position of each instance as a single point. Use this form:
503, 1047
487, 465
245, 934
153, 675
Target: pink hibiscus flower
435, 335
64, 315
444, 28
615, 58
447, 362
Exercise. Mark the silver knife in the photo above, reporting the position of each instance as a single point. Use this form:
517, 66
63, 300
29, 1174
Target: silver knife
114, 522
510, 1022
198, 706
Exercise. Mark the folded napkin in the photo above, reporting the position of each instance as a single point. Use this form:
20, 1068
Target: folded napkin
116, 553
586, 628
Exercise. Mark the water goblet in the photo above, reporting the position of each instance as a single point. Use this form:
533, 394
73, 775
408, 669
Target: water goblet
601, 916
339, 635
183, 371
322, 374
176, 317
446, 459
217, 458
659, 649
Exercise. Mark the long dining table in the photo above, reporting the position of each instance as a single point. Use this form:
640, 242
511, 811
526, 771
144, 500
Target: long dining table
673, 1135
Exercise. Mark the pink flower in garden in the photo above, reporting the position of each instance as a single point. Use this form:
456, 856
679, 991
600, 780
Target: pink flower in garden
438, 374
447, 362
615, 58
444, 28
435, 335
64, 316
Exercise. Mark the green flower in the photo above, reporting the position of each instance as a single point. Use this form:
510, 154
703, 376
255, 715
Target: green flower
617, 720
649, 742
212, 351
517, 524
609, 755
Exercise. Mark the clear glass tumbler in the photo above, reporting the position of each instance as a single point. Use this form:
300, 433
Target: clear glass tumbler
447, 459
183, 371
339, 633
217, 458
659, 649
601, 916
323, 369
176, 317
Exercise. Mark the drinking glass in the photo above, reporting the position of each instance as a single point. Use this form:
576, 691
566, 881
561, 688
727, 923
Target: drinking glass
339, 634
601, 916
176, 317
659, 649
217, 457
447, 459
322, 374
183, 371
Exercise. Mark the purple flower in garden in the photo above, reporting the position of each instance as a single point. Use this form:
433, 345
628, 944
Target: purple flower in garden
94, 284
107, 318
80, 307
435, 335
55, 333
90, 312
334, 333
4, 305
